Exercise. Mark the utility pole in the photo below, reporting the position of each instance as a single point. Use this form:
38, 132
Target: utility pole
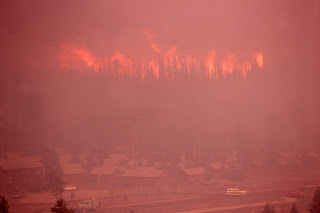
134, 144
99, 181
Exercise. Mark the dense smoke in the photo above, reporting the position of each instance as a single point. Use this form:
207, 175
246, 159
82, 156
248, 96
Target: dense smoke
72, 75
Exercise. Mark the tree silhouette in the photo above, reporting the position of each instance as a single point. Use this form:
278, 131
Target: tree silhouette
294, 209
314, 207
61, 207
53, 172
268, 209
4, 207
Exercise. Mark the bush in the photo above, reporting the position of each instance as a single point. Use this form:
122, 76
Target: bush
61, 207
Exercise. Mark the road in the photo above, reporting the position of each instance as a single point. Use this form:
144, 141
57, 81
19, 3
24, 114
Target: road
209, 202
199, 199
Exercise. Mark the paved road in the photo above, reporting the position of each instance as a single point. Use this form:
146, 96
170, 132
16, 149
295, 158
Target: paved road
234, 207
158, 203
209, 202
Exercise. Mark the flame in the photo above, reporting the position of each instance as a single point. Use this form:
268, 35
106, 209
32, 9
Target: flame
166, 64
245, 67
125, 64
142, 70
210, 63
171, 62
189, 61
259, 59
86, 57
155, 47
155, 67
227, 65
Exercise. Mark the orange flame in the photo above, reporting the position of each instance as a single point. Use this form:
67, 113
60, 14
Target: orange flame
169, 63
227, 65
155, 67
210, 63
259, 59
125, 64
245, 67
86, 57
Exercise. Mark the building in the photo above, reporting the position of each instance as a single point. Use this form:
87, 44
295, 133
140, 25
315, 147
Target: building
172, 178
217, 168
141, 176
74, 173
196, 174
109, 175
20, 172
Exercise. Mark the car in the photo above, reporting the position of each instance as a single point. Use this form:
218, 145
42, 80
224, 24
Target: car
235, 192
70, 188
295, 194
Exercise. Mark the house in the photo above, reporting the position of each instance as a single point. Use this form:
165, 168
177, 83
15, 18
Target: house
109, 171
172, 177
141, 176
218, 168
196, 174
74, 173
20, 171
109, 174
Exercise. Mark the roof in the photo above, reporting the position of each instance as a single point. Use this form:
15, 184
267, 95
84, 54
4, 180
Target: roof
19, 161
142, 172
216, 165
104, 170
68, 167
195, 171
72, 168
108, 167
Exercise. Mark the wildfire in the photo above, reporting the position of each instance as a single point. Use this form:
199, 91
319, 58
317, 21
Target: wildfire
86, 57
210, 63
122, 63
165, 64
259, 59
155, 67
245, 67
227, 65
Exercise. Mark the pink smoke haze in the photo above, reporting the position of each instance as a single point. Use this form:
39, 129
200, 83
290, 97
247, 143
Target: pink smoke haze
159, 106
